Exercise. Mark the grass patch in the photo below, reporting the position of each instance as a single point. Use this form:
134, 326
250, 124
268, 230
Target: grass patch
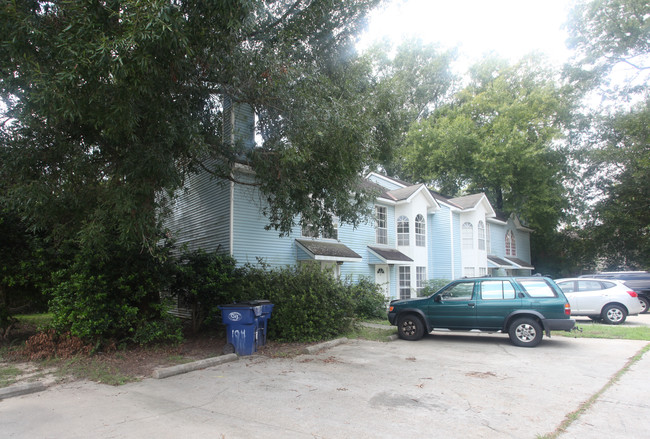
369, 333
598, 330
39, 321
91, 369
9, 375
383, 321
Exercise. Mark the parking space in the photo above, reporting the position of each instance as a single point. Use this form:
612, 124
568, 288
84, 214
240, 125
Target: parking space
448, 384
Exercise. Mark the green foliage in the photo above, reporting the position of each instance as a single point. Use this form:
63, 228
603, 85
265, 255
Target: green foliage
620, 221
100, 299
607, 32
432, 286
368, 298
202, 281
498, 136
310, 305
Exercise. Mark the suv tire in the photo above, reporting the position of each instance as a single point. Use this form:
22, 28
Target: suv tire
410, 327
644, 304
525, 332
614, 314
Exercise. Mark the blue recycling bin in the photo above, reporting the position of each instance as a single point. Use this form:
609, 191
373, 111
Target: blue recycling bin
242, 326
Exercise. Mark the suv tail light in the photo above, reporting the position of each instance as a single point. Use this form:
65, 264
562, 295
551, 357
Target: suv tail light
633, 293
567, 309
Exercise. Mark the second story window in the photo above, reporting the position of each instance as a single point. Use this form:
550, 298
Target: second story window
511, 245
381, 230
481, 235
488, 240
310, 231
420, 231
468, 236
402, 230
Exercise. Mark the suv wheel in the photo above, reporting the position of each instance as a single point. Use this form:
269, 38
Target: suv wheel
614, 315
410, 327
644, 304
525, 332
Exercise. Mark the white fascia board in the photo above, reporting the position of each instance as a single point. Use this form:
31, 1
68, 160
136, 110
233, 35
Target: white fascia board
385, 178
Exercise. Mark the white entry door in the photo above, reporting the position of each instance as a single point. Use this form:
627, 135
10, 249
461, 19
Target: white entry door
383, 279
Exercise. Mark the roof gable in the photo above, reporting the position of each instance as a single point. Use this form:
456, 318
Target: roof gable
473, 202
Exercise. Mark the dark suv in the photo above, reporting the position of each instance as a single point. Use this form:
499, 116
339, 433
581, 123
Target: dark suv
639, 281
523, 307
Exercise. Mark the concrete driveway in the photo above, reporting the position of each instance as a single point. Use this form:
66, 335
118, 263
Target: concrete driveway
447, 385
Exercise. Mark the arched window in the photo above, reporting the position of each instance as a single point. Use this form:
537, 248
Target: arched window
511, 245
402, 230
420, 231
468, 236
481, 235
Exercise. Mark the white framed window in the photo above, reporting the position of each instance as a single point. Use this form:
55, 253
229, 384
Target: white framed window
404, 282
511, 245
481, 235
468, 236
381, 225
482, 271
420, 278
402, 230
420, 231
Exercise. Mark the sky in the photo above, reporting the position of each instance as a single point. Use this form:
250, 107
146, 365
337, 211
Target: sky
510, 28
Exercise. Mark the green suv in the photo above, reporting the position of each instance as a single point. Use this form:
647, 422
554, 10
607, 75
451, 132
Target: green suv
521, 306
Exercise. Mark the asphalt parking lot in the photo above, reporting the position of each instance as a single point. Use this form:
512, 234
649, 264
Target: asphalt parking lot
447, 385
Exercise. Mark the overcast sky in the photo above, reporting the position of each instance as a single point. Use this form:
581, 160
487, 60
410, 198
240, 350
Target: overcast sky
511, 28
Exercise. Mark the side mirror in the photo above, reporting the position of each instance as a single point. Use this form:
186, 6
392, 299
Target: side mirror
438, 298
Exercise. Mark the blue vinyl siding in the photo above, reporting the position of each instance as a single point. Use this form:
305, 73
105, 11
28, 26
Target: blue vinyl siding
251, 240
440, 257
358, 240
458, 263
388, 184
200, 216
498, 239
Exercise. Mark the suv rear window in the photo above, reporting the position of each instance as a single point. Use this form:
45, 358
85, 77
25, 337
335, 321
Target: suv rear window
497, 290
537, 288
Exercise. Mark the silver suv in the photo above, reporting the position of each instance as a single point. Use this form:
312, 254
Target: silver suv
639, 281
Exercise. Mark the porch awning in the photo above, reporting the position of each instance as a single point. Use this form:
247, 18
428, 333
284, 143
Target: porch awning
508, 263
520, 264
325, 251
383, 255
497, 262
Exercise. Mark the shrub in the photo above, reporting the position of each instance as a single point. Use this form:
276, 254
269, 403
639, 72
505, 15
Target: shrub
100, 299
432, 286
310, 305
202, 281
369, 300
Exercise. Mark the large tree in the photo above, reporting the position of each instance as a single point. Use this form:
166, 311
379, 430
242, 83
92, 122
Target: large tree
111, 103
605, 33
499, 135
614, 148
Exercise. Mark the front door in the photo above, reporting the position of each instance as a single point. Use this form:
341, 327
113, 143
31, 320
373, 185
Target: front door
382, 279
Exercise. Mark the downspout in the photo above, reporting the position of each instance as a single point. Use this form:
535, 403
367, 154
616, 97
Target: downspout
231, 232
451, 234
232, 219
